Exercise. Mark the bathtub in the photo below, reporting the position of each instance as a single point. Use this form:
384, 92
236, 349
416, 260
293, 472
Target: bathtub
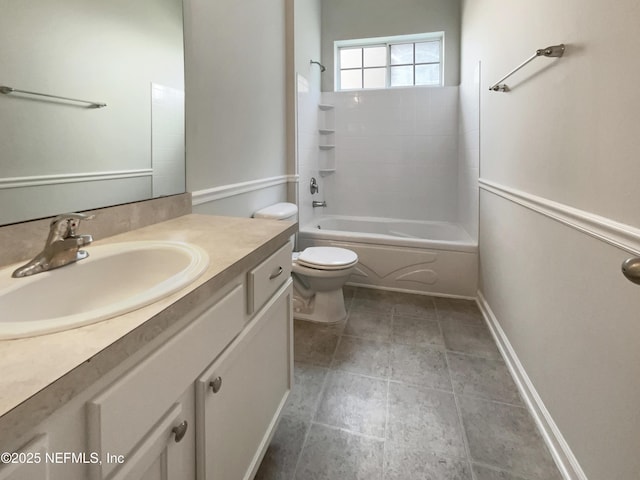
437, 258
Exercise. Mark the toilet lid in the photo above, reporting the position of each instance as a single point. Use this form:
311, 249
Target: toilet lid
327, 258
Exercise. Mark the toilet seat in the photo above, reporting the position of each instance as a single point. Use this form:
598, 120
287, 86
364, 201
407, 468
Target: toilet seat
326, 258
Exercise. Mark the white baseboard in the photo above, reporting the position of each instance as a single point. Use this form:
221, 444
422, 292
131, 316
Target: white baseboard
560, 450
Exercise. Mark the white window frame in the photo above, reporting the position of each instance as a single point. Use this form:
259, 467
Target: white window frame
386, 41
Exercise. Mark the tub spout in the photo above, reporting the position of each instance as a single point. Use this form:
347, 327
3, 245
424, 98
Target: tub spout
316, 203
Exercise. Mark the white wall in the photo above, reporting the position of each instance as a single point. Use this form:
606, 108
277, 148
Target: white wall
308, 31
566, 133
396, 153
348, 19
236, 103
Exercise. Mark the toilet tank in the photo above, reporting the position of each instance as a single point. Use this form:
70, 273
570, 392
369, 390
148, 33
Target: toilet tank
278, 211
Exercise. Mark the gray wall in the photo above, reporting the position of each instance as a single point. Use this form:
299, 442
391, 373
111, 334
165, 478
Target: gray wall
348, 19
236, 103
560, 153
308, 32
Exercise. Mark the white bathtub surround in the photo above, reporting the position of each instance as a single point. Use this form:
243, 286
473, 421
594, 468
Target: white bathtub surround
469, 149
396, 154
167, 140
308, 140
438, 258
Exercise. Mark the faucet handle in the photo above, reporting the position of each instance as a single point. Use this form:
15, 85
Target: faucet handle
65, 225
72, 216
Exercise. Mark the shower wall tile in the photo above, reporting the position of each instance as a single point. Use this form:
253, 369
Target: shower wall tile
396, 153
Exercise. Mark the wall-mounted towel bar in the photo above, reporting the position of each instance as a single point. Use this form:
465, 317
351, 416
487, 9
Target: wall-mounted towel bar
7, 90
553, 51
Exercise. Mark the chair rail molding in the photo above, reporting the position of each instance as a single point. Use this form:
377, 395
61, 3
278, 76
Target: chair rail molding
619, 235
37, 180
230, 190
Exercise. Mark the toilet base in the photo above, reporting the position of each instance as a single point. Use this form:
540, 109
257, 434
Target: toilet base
323, 307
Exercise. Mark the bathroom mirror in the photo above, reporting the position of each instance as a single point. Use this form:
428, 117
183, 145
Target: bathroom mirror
60, 155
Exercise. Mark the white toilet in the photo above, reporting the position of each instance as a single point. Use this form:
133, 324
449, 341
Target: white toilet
319, 273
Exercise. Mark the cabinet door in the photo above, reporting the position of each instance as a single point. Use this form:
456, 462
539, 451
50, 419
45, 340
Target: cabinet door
167, 451
129, 411
240, 396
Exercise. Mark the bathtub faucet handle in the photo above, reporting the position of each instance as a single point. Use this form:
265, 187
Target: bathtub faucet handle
316, 203
313, 186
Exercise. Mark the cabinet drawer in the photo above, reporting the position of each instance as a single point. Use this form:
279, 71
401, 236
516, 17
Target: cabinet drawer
121, 415
266, 278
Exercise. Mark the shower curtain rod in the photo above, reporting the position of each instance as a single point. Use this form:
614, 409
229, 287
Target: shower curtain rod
553, 51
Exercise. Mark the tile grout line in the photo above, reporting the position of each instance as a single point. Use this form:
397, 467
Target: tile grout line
455, 400
386, 430
477, 397
346, 430
313, 416
501, 470
317, 403
388, 405
465, 440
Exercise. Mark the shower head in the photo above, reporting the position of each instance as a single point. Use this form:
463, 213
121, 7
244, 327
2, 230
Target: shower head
322, 67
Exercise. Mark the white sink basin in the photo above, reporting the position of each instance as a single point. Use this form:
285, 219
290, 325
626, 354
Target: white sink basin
114, 280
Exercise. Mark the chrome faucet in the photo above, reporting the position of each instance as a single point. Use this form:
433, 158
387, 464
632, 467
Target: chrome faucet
61, 248
316, 203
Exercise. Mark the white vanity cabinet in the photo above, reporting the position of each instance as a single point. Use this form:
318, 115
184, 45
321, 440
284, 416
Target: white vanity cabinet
240, 396
141, 416
164, 452
200, 403
247, 362
28, 463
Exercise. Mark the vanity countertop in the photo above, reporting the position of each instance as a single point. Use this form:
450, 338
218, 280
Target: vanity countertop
39, 374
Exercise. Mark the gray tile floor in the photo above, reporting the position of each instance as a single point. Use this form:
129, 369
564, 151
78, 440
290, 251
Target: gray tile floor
408, 388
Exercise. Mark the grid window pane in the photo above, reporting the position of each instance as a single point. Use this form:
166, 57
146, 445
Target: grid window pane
402, 76
402, 54
402, 61
375, 77
428, 74
350, 57
375, 57
350, 79
427, 52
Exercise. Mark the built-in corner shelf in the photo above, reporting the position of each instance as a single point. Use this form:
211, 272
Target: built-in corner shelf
326, 140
